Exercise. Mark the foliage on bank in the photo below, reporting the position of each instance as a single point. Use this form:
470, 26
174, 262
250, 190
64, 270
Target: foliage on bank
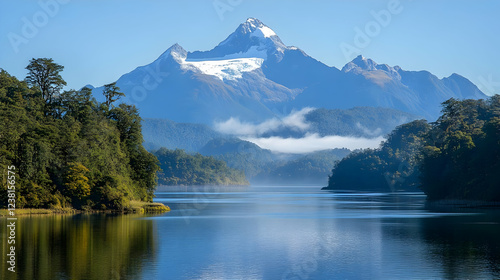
68, 149
392, 167
461, 157
457, 157
181, 168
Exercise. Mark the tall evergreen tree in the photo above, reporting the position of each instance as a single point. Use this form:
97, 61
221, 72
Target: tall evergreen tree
112, 93
44, 74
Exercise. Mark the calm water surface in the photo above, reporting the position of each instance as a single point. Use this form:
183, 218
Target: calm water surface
263, 233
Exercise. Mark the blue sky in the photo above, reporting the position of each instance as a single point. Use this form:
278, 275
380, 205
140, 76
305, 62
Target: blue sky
97, 40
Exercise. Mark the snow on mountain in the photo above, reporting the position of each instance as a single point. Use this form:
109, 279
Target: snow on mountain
252, 75
237, 58
227, 69
252, 35
264, 31
258, 29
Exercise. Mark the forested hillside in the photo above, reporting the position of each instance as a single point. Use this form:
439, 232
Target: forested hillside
66, 149
180, 168
391, 167
461, 157
457, 157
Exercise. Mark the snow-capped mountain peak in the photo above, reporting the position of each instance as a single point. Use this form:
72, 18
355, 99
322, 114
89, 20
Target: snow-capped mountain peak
176, 52
252, 75
253, 22
256, 28
251, 39
245, 50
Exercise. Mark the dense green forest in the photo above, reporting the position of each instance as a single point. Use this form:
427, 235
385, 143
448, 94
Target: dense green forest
391, 167
67, 149
181, 168
461, 157
456, 157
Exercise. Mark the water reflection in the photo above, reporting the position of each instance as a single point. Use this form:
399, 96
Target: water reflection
264, 233
466, 247
76, 247
294, 233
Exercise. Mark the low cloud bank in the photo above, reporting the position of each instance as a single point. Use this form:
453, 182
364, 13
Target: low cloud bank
296, 121
313, 142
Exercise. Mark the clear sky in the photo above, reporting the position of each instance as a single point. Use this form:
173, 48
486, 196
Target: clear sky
99, 40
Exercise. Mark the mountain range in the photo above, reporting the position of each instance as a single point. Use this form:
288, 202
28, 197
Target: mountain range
253, 76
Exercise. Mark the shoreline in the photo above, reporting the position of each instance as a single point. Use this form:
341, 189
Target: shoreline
136, 207
463, 203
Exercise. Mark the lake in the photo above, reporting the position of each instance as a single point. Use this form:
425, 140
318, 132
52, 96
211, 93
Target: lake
262, 233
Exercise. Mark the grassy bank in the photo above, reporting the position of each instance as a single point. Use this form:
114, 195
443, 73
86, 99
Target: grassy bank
147, 207
134, 207
33, 211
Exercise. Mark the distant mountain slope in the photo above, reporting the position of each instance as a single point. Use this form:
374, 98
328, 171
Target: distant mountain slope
171, 135
363, 82
240, 154
359, 121
309, 169
264, 167
253, 75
